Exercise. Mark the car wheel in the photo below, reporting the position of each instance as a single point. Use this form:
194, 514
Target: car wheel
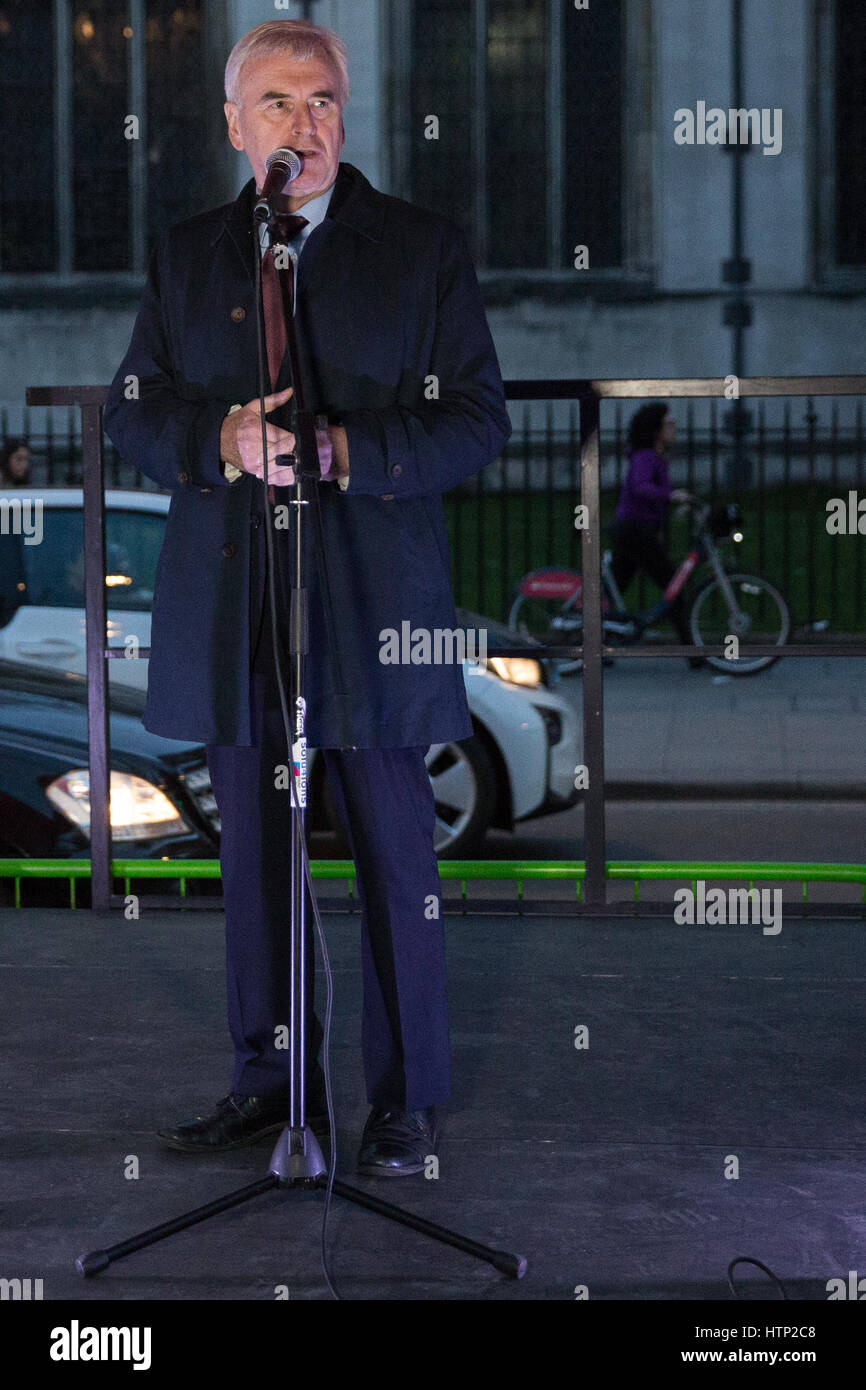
464, 791
464, 787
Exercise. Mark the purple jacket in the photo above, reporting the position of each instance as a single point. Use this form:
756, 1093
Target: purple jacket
646, 490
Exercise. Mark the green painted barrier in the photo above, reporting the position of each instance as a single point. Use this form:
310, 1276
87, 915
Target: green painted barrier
463, 870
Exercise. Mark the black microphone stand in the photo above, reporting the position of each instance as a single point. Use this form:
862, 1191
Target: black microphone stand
297, 1160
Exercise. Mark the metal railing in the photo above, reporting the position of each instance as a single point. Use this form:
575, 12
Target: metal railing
588, 394
511, 517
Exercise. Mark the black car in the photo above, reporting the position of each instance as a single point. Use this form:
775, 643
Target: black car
162, 803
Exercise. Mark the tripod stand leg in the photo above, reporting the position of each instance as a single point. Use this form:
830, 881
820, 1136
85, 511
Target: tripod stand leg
98, 1260
503, 1260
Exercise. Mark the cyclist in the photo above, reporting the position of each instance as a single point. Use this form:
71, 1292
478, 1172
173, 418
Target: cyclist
646, 493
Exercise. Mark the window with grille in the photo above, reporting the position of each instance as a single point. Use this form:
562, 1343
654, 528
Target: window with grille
77, 195
529, 97
850, 133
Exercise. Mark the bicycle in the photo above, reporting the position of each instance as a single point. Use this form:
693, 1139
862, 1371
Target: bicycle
549, 602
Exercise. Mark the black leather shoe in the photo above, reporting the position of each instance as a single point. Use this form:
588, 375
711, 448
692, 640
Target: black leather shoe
240, 1120
397, 1142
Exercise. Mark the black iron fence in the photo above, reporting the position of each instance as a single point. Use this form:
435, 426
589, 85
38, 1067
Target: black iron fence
517, 515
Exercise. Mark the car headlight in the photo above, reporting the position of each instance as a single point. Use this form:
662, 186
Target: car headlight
517, 670
139, 810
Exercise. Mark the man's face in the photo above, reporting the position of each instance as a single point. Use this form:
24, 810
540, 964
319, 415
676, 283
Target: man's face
284, 102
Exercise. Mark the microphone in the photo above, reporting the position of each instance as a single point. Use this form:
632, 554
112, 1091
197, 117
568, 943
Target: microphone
283, 167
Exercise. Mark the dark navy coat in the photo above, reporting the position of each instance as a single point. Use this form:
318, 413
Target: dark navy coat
387, 298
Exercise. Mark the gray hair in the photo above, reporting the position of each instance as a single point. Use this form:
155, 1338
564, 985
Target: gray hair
300, 38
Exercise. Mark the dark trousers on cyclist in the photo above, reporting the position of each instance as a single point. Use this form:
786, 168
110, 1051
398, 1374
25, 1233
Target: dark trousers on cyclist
636, 545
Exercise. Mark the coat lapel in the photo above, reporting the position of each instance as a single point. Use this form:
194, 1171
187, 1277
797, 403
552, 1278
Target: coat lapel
354, 204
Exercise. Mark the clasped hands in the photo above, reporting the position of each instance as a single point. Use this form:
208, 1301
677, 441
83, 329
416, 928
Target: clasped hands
241, 443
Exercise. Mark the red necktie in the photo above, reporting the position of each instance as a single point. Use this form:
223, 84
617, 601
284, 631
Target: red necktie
275, 327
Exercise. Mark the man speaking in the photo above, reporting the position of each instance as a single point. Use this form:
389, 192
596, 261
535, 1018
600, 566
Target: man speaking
400, 367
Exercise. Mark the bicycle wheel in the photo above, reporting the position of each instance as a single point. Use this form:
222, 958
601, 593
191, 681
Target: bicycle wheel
544, 619
763, 620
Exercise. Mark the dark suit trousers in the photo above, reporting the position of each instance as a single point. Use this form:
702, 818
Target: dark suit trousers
384, 800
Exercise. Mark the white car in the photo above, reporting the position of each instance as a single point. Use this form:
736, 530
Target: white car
520, 763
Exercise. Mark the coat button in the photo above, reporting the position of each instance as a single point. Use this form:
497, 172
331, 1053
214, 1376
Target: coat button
387, 497
238, 314
397, 470
229, 549
183, 477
